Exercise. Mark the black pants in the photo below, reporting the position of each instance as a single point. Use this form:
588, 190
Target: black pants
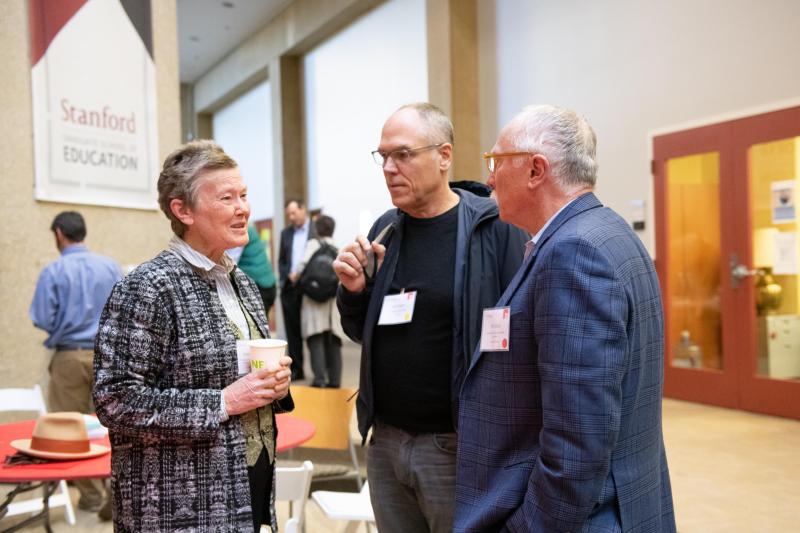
325, 351
291, 300
268, 297
260, 475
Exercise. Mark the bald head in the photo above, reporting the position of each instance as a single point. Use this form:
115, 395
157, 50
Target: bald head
436, 126
416, 151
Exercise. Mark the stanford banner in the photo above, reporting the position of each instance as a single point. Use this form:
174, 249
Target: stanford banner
94, 102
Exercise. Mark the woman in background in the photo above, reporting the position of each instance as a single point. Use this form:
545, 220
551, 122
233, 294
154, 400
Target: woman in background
320, 322
193, 444
253, 260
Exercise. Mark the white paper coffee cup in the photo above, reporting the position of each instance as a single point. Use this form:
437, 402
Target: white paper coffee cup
266, 353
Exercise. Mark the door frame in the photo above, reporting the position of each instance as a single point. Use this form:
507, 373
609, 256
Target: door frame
710, 386
737, 384
759, 393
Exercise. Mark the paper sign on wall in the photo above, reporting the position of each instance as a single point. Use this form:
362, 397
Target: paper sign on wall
785, 260
783, 201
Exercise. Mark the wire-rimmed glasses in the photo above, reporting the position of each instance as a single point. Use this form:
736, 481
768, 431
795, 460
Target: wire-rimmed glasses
401, 156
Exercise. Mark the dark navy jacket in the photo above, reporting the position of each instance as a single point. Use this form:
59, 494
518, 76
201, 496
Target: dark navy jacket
488, 254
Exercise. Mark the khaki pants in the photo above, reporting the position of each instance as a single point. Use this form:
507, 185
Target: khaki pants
71, 382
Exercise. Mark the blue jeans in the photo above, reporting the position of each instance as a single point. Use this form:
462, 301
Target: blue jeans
412, 480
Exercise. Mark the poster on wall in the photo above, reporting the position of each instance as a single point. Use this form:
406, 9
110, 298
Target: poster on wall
783, 204
785, 260
94, 102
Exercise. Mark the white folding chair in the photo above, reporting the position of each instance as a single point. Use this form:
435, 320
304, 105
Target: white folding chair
32, 400
353, 507
292, 484
292, 526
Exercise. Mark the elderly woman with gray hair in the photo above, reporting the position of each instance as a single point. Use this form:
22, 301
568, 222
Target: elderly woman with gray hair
193, 444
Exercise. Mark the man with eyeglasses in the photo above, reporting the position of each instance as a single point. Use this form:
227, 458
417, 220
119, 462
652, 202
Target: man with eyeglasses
418, 316
560, 430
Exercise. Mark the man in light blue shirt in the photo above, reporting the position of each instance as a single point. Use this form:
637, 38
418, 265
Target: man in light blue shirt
69, 297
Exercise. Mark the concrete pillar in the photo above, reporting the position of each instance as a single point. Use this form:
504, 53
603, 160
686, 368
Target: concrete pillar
204, 126
194, 125
287, 133
453, 78
188, 119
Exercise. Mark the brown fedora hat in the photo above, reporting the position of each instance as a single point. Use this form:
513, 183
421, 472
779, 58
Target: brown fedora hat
60, 436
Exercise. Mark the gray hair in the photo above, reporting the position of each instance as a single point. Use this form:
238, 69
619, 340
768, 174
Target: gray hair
180, 173
438, 126
565, 138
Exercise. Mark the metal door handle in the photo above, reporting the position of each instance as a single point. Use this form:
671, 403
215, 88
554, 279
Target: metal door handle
739, 271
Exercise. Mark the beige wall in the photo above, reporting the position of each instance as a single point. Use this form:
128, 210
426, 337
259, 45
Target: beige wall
633, 67
26, 243
274, 52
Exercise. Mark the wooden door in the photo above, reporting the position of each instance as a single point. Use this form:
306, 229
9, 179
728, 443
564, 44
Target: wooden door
727, 253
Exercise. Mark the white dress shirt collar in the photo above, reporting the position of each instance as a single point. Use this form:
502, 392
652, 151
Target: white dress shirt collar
220, 274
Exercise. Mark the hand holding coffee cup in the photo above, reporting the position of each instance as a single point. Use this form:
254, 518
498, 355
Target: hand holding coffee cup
267, 381
283, 378
254, 389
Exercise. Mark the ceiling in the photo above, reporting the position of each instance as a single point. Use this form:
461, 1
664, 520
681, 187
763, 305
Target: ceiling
208, 30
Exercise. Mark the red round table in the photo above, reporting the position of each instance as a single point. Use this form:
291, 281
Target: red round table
96, 467
292, 432
29, 477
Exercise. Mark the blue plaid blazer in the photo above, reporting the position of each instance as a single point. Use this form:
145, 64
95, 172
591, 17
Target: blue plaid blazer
563, 431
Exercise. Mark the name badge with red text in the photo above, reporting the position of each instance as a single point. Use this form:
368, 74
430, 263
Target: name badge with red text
397, 308
495, 329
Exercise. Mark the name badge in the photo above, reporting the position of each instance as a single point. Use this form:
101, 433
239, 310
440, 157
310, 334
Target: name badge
397, 308
243, 356
495, 329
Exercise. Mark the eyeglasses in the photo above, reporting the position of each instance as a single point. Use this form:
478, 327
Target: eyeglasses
401, 156
491, 164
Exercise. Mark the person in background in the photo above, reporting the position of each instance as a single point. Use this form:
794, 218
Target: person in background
320, 321
292, 249
252, 259
560, 429
192, 440
448, 258
69, 297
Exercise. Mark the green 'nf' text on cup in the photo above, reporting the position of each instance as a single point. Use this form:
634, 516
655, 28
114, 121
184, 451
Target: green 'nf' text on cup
266, 353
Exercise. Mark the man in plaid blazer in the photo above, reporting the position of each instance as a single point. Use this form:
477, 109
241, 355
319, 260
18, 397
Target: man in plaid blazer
560, 428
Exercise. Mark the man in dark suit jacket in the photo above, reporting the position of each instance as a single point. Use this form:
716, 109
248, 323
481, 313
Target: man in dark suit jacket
560, 429
292, 249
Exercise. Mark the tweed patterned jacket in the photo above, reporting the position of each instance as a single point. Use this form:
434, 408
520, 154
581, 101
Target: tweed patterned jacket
562, 432
164, 351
